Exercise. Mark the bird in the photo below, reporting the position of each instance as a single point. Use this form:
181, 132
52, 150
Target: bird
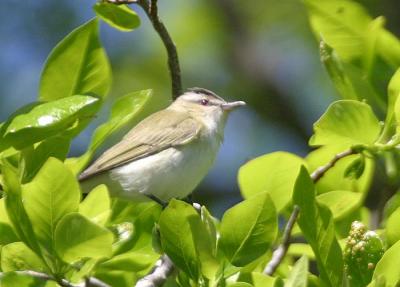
167, 154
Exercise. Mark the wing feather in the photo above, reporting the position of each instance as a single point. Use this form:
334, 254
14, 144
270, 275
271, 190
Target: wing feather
150, 136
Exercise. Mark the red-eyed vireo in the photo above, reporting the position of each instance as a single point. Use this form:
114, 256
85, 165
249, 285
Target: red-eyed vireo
168, 153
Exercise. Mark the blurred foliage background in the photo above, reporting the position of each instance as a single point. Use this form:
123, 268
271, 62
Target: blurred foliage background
259, 51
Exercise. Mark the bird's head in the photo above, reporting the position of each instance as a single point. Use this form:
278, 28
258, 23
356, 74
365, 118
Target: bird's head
202, 103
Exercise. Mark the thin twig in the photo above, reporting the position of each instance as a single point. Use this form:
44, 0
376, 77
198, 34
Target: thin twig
121, 2
89, 282
319, 172
151, 9
159, 274
282, 249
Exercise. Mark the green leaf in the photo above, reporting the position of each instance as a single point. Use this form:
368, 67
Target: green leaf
336, 71
248, 229
131, 261
274, 173
34, 158
349, 80
356, 168
35, 123
346, 122
334, 179
393, 110
388, 47
258, 279
340, 202
77, 65
300, 249
184, 239
299, 273
97, 205
7, 234
388, 266
17, 256
53, 193
77, 237
316, 223
15, 208
13, 279
120, 17
340, 23
392, 227
123, 111
363, 250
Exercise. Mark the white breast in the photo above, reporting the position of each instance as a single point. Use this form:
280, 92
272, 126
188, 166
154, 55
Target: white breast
172, 173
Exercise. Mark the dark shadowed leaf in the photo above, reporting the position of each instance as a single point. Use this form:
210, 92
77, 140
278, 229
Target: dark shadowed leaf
77, 65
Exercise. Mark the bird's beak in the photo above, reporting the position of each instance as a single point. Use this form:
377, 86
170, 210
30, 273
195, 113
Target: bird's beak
232, 105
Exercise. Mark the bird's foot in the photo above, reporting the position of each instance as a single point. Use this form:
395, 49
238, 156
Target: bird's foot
159, 201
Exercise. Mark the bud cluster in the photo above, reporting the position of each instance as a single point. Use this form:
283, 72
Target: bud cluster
363, 250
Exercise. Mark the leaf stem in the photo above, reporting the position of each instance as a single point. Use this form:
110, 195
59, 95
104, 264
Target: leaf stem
283, 247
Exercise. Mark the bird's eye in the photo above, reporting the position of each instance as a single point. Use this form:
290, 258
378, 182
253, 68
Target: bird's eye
204, 102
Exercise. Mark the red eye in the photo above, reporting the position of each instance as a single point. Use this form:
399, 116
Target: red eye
204, 102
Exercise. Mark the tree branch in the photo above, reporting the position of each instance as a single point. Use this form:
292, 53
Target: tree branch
159, 274
89, 282
282, 249
151, 9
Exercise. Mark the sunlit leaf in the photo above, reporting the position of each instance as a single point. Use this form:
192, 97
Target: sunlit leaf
334, 179
120, 17
35, 123
388, 266
35, 157
392, 227
242, 243
340, 23
299, 273
340, 202
16, 208
274, 173
77, 65
53, 193
77, 237
17, 256
183, 238
316, 223
346, 122
13, 279
97, 205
